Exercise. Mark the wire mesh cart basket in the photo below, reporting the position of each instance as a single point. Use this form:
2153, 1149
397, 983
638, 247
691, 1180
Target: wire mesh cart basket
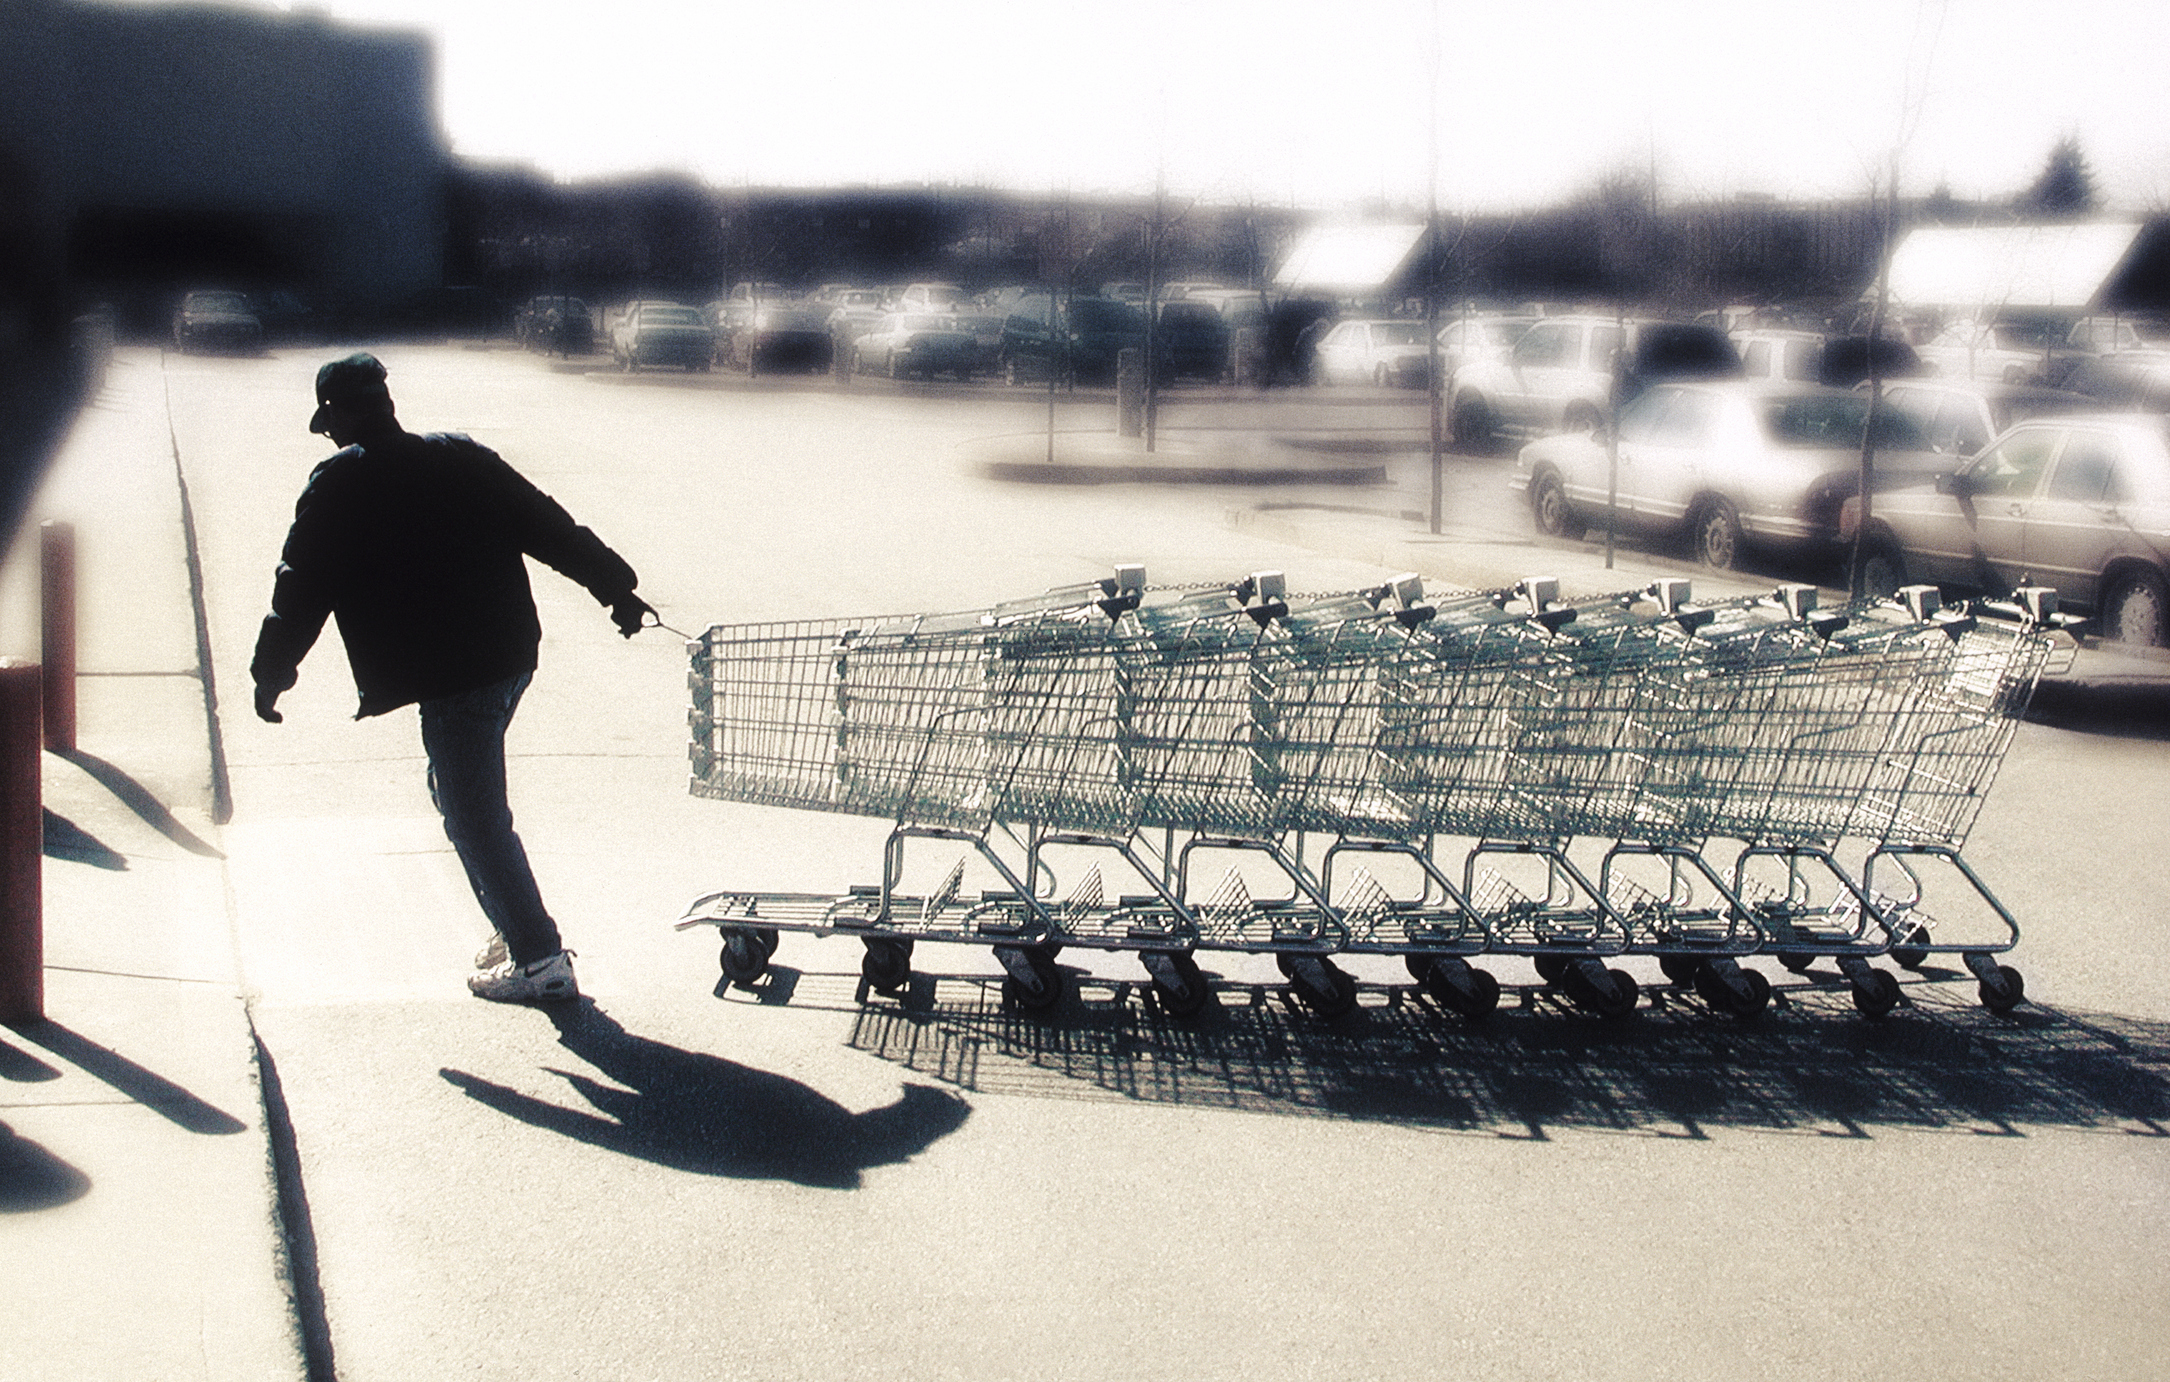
1383, 774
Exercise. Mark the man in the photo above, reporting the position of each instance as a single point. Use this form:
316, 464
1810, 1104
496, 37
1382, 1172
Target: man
414, 544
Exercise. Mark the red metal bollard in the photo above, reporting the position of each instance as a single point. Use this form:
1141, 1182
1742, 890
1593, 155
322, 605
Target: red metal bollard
22, 846
56, 588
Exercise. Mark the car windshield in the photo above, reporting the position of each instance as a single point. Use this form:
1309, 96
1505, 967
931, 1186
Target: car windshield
217, 302
923, 322
1832, 421
1397, 333
669, 316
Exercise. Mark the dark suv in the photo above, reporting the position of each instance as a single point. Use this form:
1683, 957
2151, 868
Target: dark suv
1073, 339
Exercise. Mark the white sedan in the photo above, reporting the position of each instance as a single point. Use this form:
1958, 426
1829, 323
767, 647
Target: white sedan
1375, 352
1724, 463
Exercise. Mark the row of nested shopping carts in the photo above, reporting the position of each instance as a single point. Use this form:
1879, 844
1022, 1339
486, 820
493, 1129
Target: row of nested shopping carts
1443, 779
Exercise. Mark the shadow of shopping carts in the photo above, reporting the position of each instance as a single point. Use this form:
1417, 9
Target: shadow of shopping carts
1807, 1067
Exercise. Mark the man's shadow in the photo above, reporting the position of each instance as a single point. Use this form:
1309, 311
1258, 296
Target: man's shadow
697, 1112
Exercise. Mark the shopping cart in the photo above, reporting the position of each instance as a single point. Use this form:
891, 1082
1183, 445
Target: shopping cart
1155, 732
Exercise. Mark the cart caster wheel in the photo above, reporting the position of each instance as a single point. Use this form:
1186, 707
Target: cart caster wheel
1877, 994
1912, 956
2001, 998
1620, 1002
1553, 968
1799, 961
1181, 991
744, 958
1476, 1002
768, 937
1419, 966
887, 964
1045, 986
1751, 1001
1607, 992
1027, 998
1320, 986
1681, 969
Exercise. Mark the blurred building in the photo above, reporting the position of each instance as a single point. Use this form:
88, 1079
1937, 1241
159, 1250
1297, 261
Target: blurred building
207, 146
146, 150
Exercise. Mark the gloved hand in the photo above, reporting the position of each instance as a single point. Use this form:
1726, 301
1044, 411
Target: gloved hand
628, 614
267, 701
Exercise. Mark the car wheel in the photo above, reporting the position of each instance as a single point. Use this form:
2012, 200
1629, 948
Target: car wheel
1474, 429
2133, 610
1554, 516
1883, 569
1718, 535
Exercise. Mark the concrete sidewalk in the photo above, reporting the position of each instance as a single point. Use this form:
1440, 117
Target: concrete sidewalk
135, 1164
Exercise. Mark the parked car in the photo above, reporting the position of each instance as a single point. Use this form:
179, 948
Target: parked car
286, 319
2078, 503
1959, 416
1069, 338
779, 335
2137, 379
661, 333
211, 320
1386, 353
555, 324
2007, 351
2105, 336
1849, 359
1243, 315
1724, 463
984, 326
931, 297
1479, 336
1559, 375
1191, 340
915, 343
1780, 354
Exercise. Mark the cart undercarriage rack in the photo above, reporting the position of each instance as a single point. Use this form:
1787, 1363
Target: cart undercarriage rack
1443, 779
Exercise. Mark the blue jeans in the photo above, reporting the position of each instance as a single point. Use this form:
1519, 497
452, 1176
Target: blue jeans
464, 736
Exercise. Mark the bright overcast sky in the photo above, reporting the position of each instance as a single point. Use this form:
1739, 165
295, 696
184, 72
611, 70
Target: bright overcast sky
1316, 103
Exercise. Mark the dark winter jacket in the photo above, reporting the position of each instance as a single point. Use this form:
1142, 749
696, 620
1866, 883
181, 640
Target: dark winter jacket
414, 545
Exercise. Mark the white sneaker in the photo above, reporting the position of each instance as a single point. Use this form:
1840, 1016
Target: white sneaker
493, 954
548, 980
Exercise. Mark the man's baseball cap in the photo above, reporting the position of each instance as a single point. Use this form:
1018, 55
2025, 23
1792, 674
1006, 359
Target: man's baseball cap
355, 383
